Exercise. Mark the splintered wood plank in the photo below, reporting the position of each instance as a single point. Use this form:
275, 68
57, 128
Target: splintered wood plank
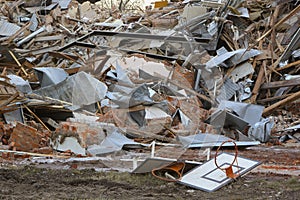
258, 83
278, 84
283, 102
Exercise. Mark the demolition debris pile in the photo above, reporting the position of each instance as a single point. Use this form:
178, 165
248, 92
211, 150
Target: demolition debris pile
90, 79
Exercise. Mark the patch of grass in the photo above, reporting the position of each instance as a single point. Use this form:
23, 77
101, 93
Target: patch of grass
293, 183
274, 185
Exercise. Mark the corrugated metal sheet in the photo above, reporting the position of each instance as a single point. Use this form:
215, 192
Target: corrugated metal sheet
8, 29
228, 89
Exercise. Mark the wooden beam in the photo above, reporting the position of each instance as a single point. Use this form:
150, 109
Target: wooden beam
37, 118
289, 65
276, 98
278, 84
33, 154
19, 64
283, 102
258, 83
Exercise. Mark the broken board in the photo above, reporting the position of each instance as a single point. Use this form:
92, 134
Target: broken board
209, 178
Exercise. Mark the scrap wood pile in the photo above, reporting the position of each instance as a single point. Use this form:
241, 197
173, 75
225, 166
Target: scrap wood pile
89, 78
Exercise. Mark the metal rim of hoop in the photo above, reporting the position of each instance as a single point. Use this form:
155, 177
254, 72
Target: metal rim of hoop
229, 171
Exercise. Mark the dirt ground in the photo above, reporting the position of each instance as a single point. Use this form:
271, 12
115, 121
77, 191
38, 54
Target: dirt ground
278, 177
40, 183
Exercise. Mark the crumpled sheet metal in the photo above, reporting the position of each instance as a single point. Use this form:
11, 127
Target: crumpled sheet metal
241, 115
251, 113
201, 138
80, 89
231, 58
62, 3
50, 75
130, 97
241, 71
14, 116
20, 83
34, 22
226, 119
69, 143
184, 119
210, 140
112, 143
261, 130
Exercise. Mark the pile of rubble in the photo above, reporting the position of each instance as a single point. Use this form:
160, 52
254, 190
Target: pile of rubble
92, 78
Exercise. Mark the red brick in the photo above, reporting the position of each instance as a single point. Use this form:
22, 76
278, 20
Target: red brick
25, 138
